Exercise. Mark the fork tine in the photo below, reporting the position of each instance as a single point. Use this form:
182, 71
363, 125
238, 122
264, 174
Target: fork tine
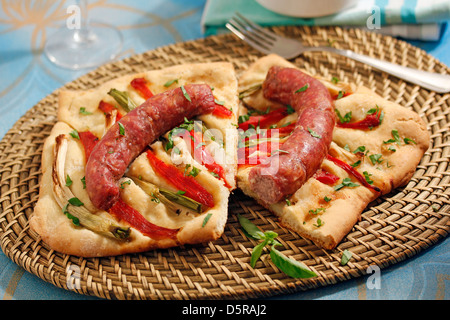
244, 35
256, 27
250, 34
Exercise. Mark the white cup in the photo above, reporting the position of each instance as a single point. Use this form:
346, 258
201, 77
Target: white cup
307, 8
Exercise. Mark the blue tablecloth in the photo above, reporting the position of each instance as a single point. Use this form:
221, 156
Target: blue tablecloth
27, 77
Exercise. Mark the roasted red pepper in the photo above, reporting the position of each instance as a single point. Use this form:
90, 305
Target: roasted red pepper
326, 177
370, 121
107, 108
122, 211
140, 85
89, 140
222, 112
193, 189
264, 120
350, 170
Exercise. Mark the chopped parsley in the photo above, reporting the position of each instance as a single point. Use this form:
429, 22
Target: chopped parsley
170, 82
121, 129
302, 89
314, 134
347, 182
206, 219
68, 181
84, 112
74, 134
186, 95
344, 119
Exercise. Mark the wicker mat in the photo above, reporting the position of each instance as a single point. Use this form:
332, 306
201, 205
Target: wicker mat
394, 228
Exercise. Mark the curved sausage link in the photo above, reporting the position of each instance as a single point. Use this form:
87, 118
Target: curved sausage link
127, 138
304, 151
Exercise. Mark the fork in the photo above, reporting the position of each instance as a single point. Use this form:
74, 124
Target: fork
268, 42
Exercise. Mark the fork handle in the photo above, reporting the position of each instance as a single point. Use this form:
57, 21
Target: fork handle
432, 81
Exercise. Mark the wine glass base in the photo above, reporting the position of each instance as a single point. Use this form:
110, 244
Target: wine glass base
79, 49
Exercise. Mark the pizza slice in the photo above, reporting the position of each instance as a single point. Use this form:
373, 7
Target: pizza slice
375, 147
141, 162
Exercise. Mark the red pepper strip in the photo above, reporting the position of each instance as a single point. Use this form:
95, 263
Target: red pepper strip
193, 189
89, 141
371, 120
140, 84
352, 171
222, 112
123, 211
108, 108
325, 177
265, 119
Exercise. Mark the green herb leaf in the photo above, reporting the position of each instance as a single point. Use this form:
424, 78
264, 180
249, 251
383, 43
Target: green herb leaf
121, 129
367, 177
170, 82
346, 256
206, 219
122, 185
186, 95
257, 251
334, 80
83, 181
314, 134
76, 202
327, 199
375, 158
306, 86
360, 149
347, 182
74, 219
181, 192
319, 223
221, 103
251, 229
74, 134
123, 98
290, 266
84, 112
343, 119
290, 110
340, 94
408, 141
278, 151
357, 163
68, 181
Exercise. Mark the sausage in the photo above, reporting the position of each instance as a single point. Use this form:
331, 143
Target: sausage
128, 137
304, 151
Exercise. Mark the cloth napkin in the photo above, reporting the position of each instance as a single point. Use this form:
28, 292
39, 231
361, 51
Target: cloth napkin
409, 19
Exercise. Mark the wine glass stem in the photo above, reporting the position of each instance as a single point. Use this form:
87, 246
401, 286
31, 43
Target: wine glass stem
83, 34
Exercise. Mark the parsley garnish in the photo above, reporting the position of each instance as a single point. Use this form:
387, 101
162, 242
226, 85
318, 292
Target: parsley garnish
344, 119
68, 181
186, 95
314, 134
83, 111
170, 82
74, 134
346, 256
121, 129
206, 219
334, 80
347, 182
306, 86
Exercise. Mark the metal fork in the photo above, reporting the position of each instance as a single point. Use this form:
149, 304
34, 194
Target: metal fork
268, 42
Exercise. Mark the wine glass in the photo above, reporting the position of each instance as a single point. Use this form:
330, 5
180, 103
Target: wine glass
85, 46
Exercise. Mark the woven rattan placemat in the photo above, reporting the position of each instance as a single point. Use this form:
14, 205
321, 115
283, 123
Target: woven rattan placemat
392, 229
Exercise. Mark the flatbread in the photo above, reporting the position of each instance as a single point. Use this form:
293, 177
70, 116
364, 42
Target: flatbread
325, 213
78, 111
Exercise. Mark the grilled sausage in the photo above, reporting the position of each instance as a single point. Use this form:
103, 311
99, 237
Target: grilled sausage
127, 138
303, 152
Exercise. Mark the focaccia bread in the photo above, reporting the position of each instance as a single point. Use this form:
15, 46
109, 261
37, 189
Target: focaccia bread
376, 147
65, 216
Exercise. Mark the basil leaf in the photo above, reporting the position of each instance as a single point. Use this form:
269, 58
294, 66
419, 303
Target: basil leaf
121, 129
314, 134
290, 266
257, 251
251, 229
